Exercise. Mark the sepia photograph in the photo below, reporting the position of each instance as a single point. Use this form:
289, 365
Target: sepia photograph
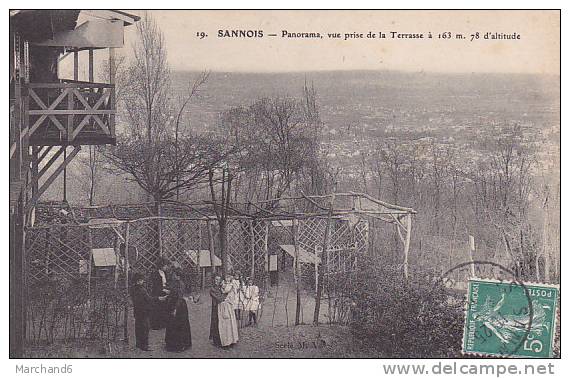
307, 184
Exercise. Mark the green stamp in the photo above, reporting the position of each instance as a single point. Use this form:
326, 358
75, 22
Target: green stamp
510, 319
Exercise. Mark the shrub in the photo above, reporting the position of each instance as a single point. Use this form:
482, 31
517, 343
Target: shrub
398, 318
64, 309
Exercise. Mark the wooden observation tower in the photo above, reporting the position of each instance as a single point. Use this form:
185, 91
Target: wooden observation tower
51, 117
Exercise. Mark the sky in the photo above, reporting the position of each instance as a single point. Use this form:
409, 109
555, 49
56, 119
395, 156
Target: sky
536, 52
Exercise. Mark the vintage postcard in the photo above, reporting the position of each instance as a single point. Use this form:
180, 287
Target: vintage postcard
284, 183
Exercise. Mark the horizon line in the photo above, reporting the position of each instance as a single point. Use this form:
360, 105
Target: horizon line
368, 70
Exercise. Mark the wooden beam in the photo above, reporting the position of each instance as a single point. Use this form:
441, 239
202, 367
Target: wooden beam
127, 283
45, 113
44, 153
81, 139
112, 74
211, 245
17, 290
50, 162
91, 79
65, 55
69, 85
266, 254
17, 130
296, 273
407, 244
53, 176
71, 112
13, 149
35, 163
75, 65
70, 104
324, 261
64, 175
252, 245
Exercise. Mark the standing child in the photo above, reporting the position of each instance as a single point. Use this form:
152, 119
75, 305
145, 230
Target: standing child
143, 305
252, 304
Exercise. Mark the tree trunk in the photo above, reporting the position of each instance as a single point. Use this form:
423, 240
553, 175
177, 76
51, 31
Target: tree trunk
322, 266
158, 229
223, 238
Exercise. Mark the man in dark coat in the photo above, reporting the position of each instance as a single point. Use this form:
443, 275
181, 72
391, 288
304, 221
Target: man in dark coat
143, 305
158, 287
217, 298
178, 336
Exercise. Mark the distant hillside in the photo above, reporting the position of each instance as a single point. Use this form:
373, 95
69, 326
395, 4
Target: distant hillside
358, 106
380, 97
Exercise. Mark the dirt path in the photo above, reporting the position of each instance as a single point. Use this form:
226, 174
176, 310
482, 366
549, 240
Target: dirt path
277, 317
275, 336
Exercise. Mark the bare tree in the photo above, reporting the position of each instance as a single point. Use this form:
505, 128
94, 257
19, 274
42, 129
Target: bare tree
151, 150
192, 91
438, 173
278, 138
92, 164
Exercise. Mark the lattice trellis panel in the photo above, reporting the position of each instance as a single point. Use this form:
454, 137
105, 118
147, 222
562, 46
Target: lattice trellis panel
361, 235
346, 242
260, 232
311, 233
278, 234
179, 237
238, 246
340, 260
247, 247
144, 236
341, 234
56, 251
107, 237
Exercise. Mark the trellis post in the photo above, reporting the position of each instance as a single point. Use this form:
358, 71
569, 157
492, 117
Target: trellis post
159, 212
89, 266
407, 244
211, 245
48, 249
366, 236
117, 259
127, 269
323, 264
252, 243
316, 251
266, 254
201, 271
296, 272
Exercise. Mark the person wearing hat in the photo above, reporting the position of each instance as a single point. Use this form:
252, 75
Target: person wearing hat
143, 305
178, 336
159, 287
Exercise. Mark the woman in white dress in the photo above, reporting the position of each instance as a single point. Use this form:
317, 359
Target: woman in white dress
251, 294
227, 322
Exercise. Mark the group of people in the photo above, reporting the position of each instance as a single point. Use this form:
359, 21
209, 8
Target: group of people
233, 298
164, 307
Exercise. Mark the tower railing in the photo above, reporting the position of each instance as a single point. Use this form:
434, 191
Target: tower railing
71, 112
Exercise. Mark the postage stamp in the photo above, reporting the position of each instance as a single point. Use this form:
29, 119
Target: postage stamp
510, 319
